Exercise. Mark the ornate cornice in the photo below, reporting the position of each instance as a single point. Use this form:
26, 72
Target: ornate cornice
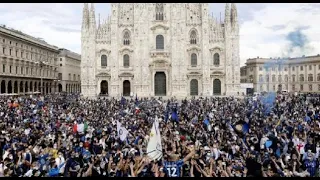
194, 48
217, 74
159, 25
194, 74
217, 47
126, 48
126, 74
104, 51
103, 75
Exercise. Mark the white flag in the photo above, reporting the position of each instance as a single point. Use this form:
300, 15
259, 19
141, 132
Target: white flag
154, 148
122, 131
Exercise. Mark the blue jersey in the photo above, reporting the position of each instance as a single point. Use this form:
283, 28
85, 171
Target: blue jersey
311, 166
173, 169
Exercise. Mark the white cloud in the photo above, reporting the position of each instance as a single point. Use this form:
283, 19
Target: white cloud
57, 24
265, 34
263, 28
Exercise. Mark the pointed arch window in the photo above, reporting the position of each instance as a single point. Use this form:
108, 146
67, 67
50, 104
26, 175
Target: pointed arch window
159, 12
159, 42
216, 59
193, 37
126, 60
104, 61
193, 60
126, 38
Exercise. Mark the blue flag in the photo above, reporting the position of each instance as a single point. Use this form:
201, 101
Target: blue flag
241, 127
174, 115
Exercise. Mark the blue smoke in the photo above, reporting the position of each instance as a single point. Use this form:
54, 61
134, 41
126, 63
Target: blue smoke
268, 102
269, 99
297, 39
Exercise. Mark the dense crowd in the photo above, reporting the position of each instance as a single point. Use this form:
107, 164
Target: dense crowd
65, 135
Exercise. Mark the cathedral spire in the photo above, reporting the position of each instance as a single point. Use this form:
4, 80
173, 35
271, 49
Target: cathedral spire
227, 15
92, 16
92, 7
234, 15
85, 18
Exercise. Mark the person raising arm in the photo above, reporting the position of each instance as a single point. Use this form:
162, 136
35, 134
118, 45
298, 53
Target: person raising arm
172, 167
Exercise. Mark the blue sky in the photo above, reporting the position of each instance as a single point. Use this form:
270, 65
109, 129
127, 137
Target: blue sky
266, 30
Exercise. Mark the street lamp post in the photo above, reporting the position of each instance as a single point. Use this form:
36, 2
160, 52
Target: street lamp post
41, 79
41, 63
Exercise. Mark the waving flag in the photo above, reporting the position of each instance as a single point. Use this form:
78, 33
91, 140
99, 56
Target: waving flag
241, 127
122, 131
154, 148
80, 128
174, 115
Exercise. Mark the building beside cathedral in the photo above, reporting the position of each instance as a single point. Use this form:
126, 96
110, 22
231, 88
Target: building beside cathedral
29, 65
159, 49
298, 74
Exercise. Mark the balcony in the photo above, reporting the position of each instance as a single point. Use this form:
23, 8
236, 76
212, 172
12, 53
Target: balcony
195, 68
216, 68
160, 53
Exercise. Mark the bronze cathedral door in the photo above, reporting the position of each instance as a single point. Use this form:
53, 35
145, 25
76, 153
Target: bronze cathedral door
160, 84
126, 88
216, 87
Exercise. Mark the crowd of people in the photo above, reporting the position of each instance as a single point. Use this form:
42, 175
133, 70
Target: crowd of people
63, 135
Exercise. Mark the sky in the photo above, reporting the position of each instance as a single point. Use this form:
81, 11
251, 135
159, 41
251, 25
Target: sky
266, 29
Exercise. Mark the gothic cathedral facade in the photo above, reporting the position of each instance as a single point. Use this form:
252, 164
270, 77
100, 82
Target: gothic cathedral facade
160, 49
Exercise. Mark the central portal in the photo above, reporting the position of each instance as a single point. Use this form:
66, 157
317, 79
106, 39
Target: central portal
217, 87
160, 84
126, 88
104, 88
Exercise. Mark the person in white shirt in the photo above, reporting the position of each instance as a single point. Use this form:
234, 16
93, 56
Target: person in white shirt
102, 142
59, 161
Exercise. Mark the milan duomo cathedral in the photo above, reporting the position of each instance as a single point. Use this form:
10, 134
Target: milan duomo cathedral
160, 49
